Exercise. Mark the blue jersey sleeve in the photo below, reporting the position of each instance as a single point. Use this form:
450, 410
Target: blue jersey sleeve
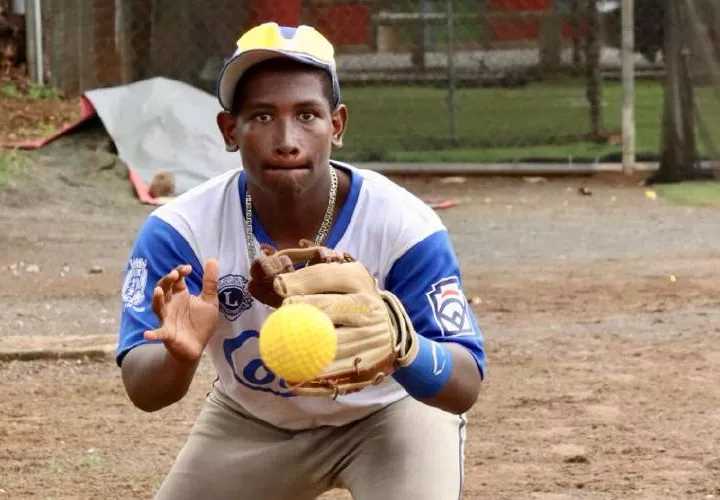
157, 250
428, 282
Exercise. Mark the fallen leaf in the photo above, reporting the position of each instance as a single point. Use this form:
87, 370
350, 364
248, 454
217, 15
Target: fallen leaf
453, 180
95, 269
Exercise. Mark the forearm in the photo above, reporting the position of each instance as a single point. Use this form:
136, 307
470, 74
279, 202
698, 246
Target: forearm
461, 390
154, 379
444, 375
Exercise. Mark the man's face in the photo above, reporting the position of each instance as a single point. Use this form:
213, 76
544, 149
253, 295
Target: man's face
285, 129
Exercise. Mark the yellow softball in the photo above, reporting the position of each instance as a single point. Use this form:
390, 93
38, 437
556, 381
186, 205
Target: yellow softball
297, 342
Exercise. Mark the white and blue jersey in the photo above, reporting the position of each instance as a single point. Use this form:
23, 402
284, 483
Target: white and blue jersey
397, 236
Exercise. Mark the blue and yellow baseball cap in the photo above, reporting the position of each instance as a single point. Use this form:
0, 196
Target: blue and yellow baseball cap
269, 40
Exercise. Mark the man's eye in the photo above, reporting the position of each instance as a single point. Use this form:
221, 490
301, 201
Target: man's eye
263, 117
307, 116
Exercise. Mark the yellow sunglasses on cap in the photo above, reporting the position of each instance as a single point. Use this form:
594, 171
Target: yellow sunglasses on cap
269, 40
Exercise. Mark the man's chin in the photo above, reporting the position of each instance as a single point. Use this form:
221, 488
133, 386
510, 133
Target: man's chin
288, 182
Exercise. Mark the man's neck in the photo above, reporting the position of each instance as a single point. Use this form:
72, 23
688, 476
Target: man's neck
288, 219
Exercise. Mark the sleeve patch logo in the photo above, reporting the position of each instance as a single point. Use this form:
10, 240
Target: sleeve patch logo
450, 307
133, 289
232, 296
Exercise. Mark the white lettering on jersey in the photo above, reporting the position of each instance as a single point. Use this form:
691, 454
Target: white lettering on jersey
133, 289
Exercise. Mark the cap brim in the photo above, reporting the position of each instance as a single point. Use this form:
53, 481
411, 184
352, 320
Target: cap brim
234, 69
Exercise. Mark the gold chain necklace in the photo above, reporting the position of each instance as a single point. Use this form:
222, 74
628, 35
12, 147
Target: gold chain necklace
324, 227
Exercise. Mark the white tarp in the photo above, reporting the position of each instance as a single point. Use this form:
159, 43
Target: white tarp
165, 125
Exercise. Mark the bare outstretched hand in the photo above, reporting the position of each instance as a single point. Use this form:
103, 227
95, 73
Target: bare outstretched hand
187, 321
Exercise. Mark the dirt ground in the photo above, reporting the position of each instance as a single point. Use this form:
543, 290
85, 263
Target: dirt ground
31, 112
601, 315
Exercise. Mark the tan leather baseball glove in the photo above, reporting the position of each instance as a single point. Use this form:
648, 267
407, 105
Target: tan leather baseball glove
375, 334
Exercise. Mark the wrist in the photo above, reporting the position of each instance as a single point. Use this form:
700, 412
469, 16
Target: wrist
181, 360
429, 370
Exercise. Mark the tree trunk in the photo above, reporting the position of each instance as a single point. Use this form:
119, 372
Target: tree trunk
592, 71
711, 11
678, 155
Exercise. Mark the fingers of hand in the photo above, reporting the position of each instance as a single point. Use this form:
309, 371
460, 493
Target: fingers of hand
325, 255
283, 264
269, 266
334, 277
310, 253
305, 243
179, 285
267, 249
159, 303
211, 275
166, 284
157, 334
170, 282
276, 264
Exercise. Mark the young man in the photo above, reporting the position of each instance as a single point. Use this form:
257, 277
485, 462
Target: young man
186, 292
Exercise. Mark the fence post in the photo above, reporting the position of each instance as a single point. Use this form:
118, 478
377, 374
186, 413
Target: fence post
33, 41
593, 75
551, 41
628, 85
451, 71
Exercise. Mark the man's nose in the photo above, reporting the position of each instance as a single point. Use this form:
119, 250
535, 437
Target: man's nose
287, 140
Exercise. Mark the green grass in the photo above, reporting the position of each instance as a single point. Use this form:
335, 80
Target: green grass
10, 166
701, 193
539, 121
10, 91
34, 92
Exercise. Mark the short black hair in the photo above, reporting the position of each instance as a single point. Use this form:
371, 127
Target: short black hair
282, 64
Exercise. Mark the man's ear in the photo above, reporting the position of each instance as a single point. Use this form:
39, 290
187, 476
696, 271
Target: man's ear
339, 124
227, 124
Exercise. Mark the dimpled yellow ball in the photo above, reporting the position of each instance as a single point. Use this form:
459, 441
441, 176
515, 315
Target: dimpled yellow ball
297, 342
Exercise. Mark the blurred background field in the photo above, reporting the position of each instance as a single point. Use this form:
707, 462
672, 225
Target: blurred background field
539, 122
468, 81
425, 80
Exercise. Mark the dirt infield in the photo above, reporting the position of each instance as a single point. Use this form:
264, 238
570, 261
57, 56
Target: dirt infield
601, 312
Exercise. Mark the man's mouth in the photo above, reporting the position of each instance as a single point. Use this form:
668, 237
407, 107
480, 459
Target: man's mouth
288, 167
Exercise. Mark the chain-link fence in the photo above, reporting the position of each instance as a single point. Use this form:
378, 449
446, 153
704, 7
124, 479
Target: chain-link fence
425, 80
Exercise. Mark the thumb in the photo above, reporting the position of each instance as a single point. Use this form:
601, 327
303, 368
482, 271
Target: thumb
210, 281
161, 333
